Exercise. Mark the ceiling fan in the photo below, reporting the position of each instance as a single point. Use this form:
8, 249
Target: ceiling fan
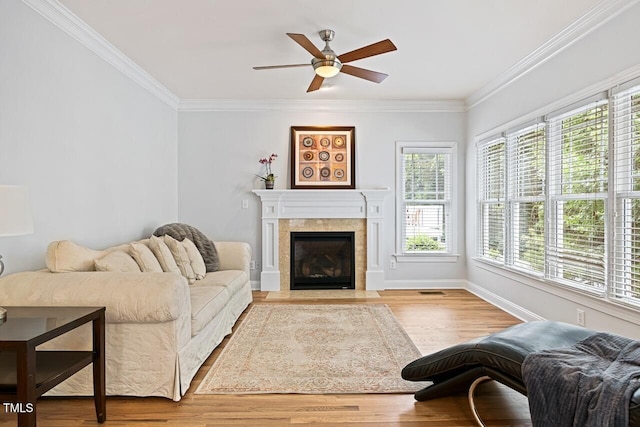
327, 64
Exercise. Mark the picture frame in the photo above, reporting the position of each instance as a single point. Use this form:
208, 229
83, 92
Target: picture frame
323, 157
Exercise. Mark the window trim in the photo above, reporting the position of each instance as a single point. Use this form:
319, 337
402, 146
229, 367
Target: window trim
482, 202
622, 193
452, 254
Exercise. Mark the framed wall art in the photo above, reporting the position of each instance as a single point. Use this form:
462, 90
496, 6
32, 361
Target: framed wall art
323, 157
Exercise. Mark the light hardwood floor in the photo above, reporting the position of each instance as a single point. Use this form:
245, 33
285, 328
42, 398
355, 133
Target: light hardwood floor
433, 321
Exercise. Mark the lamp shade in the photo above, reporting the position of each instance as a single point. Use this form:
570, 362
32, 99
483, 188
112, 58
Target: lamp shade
15, 211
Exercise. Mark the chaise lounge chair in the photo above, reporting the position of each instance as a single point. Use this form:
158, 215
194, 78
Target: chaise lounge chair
499, 356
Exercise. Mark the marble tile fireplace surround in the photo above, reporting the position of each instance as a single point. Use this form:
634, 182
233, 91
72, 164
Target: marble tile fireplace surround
286, 211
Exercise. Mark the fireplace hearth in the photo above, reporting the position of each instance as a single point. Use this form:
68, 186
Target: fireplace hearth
322, 260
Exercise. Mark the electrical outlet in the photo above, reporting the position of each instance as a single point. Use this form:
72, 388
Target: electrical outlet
252, 265
580, 317
392, 264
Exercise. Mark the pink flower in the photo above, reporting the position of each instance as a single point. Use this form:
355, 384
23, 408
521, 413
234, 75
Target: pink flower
267, 162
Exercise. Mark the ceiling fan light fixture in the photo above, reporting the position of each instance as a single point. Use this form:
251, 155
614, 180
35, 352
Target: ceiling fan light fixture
327, 64
327, 68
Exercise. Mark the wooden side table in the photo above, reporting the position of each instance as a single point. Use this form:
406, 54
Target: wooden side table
25, 374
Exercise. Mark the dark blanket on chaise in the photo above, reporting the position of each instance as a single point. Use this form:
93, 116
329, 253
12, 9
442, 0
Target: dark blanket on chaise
587, 384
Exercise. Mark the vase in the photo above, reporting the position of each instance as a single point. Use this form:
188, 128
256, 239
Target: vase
269, 185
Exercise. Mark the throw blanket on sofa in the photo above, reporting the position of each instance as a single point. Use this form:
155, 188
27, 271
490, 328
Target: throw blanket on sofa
588, 384
205, 246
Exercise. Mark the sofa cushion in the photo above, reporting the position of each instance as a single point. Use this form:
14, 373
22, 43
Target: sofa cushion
163, 254
117, 261
65, 256
206, 303
146, 260
205, 246
125, 246
233, 280
195, 257
182, 258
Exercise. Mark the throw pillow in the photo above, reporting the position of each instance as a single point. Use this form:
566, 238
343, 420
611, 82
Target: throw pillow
205, 246
144, 257
125, 247
163, 254
195, 258
182, 259
65, 256
117, 261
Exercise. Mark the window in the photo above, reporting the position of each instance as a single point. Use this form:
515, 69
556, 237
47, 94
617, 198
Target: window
560, 199
578, 180
526, 197
491, 198
425, 187
626, 286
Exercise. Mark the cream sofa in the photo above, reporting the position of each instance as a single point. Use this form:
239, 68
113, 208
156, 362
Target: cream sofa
159, 328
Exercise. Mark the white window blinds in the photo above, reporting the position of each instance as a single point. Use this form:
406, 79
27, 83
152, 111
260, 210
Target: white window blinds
526, 197
560, 199
426, 199
626, 286
491, 199
578, 180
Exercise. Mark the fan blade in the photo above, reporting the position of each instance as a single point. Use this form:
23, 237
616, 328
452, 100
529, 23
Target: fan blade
372, 76
367, 51
271, 67
303, 41
315, 83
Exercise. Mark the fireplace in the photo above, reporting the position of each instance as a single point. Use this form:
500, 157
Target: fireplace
288, 211
322, 260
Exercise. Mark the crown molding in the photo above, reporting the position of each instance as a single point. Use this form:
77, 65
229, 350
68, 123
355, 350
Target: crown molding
598, 15
60, 16
64, 19
611, 82
360, 106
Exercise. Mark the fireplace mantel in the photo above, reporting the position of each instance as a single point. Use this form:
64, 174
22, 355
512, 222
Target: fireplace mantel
308, 204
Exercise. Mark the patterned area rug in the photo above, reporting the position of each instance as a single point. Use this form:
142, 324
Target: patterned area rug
314, 349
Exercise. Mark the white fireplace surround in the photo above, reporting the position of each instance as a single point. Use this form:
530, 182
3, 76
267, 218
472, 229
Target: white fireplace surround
321, 204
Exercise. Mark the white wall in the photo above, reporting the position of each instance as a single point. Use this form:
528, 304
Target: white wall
609, 50
98, 152
218, 157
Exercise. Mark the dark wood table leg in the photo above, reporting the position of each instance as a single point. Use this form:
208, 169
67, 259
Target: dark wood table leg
26, 386
99, 380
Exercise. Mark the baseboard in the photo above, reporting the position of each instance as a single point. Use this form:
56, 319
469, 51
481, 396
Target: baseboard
255, 285
425, 284
502, 303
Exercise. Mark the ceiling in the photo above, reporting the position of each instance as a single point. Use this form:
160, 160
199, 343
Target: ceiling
447, 49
